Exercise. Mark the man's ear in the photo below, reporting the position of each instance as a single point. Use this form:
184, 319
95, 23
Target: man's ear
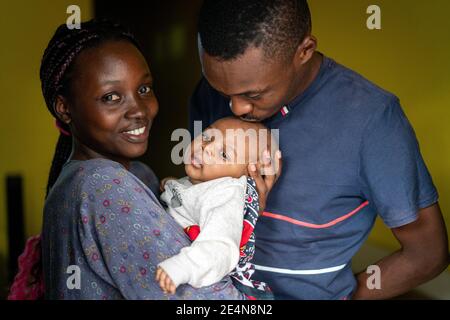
305, 50
62, 110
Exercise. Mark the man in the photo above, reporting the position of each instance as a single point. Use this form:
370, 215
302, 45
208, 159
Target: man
349, 153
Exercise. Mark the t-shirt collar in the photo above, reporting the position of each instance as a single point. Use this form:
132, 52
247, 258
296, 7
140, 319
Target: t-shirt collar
287, 109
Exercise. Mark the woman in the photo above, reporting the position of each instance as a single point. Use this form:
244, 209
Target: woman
104, 231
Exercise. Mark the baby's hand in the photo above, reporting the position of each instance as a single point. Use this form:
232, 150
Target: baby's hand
165, 282
164, 181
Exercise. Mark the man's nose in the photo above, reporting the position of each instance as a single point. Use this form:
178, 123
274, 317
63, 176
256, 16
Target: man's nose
240, 106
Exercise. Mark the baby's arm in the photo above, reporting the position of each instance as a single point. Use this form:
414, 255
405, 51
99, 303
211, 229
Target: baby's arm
215, 252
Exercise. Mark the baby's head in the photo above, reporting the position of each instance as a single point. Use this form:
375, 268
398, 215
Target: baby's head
226, 148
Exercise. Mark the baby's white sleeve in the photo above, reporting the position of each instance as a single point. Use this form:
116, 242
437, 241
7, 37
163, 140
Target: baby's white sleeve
215, 252
171, 197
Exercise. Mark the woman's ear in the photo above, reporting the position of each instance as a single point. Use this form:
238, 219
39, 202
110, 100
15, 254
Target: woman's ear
62, 110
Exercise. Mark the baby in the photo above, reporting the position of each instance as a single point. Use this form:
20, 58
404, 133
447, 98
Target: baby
217, 205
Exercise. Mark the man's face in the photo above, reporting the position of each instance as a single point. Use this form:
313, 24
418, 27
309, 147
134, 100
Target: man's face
256, 86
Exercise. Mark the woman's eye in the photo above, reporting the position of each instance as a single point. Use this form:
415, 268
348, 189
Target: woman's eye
111, 97
145, 89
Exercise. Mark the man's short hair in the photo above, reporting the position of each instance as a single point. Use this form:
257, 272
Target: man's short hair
228, 27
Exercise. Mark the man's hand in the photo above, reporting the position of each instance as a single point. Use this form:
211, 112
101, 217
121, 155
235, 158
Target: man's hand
165, 282
423, 255
265, 175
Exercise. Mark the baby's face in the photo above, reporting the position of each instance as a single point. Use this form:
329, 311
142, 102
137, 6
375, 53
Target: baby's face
223, 150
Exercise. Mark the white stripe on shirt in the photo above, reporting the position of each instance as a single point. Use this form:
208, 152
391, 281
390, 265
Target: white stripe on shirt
304, 272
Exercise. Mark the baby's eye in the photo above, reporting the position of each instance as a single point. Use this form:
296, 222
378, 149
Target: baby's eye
224, 155
145, 89
111, 97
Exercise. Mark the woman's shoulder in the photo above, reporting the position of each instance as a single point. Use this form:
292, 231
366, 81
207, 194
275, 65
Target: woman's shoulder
103, 177
76, 173
89, 168
95, 172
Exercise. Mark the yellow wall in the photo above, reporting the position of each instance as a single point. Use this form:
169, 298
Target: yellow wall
409, 56
27, 135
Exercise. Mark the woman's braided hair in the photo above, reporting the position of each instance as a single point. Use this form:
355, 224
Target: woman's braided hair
56, 71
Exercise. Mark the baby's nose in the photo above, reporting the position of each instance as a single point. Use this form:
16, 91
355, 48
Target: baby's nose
208, 148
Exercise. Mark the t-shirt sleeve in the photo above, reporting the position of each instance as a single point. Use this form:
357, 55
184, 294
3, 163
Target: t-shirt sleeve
124, 234
395, 178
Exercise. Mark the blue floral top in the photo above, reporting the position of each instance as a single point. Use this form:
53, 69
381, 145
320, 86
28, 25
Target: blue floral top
104, 232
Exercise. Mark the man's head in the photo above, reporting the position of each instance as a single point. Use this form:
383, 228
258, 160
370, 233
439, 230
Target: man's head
226, 148
256, 52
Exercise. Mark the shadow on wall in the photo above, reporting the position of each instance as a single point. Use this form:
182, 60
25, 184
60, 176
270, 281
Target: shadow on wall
166, 31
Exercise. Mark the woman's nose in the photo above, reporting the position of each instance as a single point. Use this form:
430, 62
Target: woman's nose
240, 106
136, 109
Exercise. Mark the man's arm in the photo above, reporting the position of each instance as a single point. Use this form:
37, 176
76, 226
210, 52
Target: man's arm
423, 255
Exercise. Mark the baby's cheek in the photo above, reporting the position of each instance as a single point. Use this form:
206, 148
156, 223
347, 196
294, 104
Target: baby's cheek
236, 170
243, 169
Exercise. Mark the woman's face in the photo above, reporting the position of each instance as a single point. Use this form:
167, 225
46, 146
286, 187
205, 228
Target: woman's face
111, 103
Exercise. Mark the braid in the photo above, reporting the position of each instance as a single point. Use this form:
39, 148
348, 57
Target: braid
56, 73
62, 153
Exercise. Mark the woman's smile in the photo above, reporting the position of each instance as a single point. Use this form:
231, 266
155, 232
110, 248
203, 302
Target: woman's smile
137, 134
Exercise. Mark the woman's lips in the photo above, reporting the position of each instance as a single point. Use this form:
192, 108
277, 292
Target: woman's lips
138, 135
